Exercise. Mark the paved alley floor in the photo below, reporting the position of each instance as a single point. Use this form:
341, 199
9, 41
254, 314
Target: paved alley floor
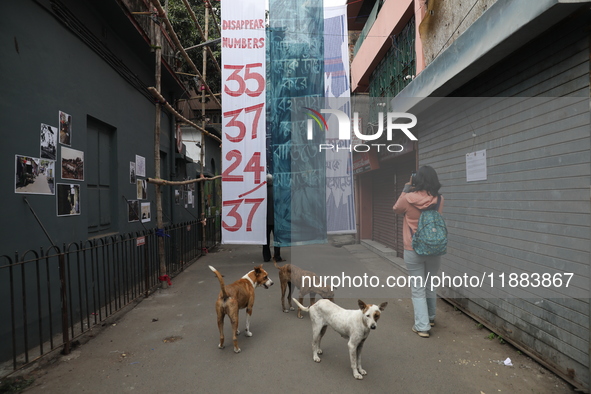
168, 342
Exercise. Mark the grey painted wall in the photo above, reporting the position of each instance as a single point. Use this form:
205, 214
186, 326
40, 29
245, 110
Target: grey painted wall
46, 68
97, 72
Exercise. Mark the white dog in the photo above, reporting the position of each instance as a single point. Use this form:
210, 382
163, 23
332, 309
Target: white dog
352, 324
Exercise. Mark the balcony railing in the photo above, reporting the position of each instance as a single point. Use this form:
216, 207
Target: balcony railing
368, 25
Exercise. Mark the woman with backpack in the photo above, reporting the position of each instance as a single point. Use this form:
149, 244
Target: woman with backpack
424, 243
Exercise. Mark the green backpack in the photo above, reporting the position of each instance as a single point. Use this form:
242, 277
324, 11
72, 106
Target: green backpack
430, 238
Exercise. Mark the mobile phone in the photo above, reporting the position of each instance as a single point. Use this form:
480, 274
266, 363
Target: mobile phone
413, 176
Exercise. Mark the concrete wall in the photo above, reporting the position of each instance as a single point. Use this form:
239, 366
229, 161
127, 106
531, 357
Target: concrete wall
445, 21
438, 24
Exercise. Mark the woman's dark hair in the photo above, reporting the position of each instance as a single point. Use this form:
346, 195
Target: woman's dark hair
428, 181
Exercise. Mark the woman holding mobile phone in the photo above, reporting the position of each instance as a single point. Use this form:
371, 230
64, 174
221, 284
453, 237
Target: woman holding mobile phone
419, 194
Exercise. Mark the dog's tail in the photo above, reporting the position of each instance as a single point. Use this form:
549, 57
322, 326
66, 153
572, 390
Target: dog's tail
275, 263
301, 306
221, 279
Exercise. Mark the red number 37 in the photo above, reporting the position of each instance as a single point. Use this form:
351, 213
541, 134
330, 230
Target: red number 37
235, 204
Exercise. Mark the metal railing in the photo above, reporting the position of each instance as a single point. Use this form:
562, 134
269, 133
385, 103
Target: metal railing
368, 25
51, 297
398, 66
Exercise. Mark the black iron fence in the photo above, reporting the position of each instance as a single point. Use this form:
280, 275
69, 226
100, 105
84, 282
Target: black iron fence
51, 297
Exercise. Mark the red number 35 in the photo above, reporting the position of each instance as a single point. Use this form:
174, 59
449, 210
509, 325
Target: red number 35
235, 76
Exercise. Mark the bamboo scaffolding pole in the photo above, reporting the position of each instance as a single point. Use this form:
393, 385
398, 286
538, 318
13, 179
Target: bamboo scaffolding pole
163, 182
175, 39
162, 101
205, 35
204, 68
196, 98
191, 75
216, 23
159, 221
205, 43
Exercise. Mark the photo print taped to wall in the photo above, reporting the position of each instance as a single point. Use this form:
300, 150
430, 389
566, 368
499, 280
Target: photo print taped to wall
65, 128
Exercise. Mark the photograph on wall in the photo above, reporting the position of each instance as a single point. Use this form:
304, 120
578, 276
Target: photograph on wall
140, 165
133, 211
131, 172
68, 199
65, 124
142, 189
72, 164
48, 142
34, 175
145, 212
191, 199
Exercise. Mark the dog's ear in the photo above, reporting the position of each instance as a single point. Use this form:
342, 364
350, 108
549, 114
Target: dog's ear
383, 305
257, 269
361, 304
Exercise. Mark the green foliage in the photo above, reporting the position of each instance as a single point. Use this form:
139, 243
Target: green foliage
492, 336
189, 35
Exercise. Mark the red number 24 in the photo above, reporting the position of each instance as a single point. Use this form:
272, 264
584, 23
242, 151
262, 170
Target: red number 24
253, 165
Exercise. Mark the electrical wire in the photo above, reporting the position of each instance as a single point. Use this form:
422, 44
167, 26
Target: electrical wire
456, 29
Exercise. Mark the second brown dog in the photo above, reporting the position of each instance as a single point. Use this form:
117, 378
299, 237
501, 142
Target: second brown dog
291, 275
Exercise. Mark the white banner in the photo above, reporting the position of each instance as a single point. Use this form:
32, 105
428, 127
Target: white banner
340, 203
244, 194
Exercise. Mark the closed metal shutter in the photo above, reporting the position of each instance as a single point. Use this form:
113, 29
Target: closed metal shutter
537, 221
388, 183
384, 219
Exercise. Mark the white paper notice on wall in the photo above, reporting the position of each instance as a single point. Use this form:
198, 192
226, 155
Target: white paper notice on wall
476, 166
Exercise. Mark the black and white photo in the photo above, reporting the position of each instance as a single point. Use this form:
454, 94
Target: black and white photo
132, 172
68, 199
140, 165
145, 212
48, 142
142, 189
133, 211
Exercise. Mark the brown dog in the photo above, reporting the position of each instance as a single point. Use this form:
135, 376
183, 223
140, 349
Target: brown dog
238, 295
289, 275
